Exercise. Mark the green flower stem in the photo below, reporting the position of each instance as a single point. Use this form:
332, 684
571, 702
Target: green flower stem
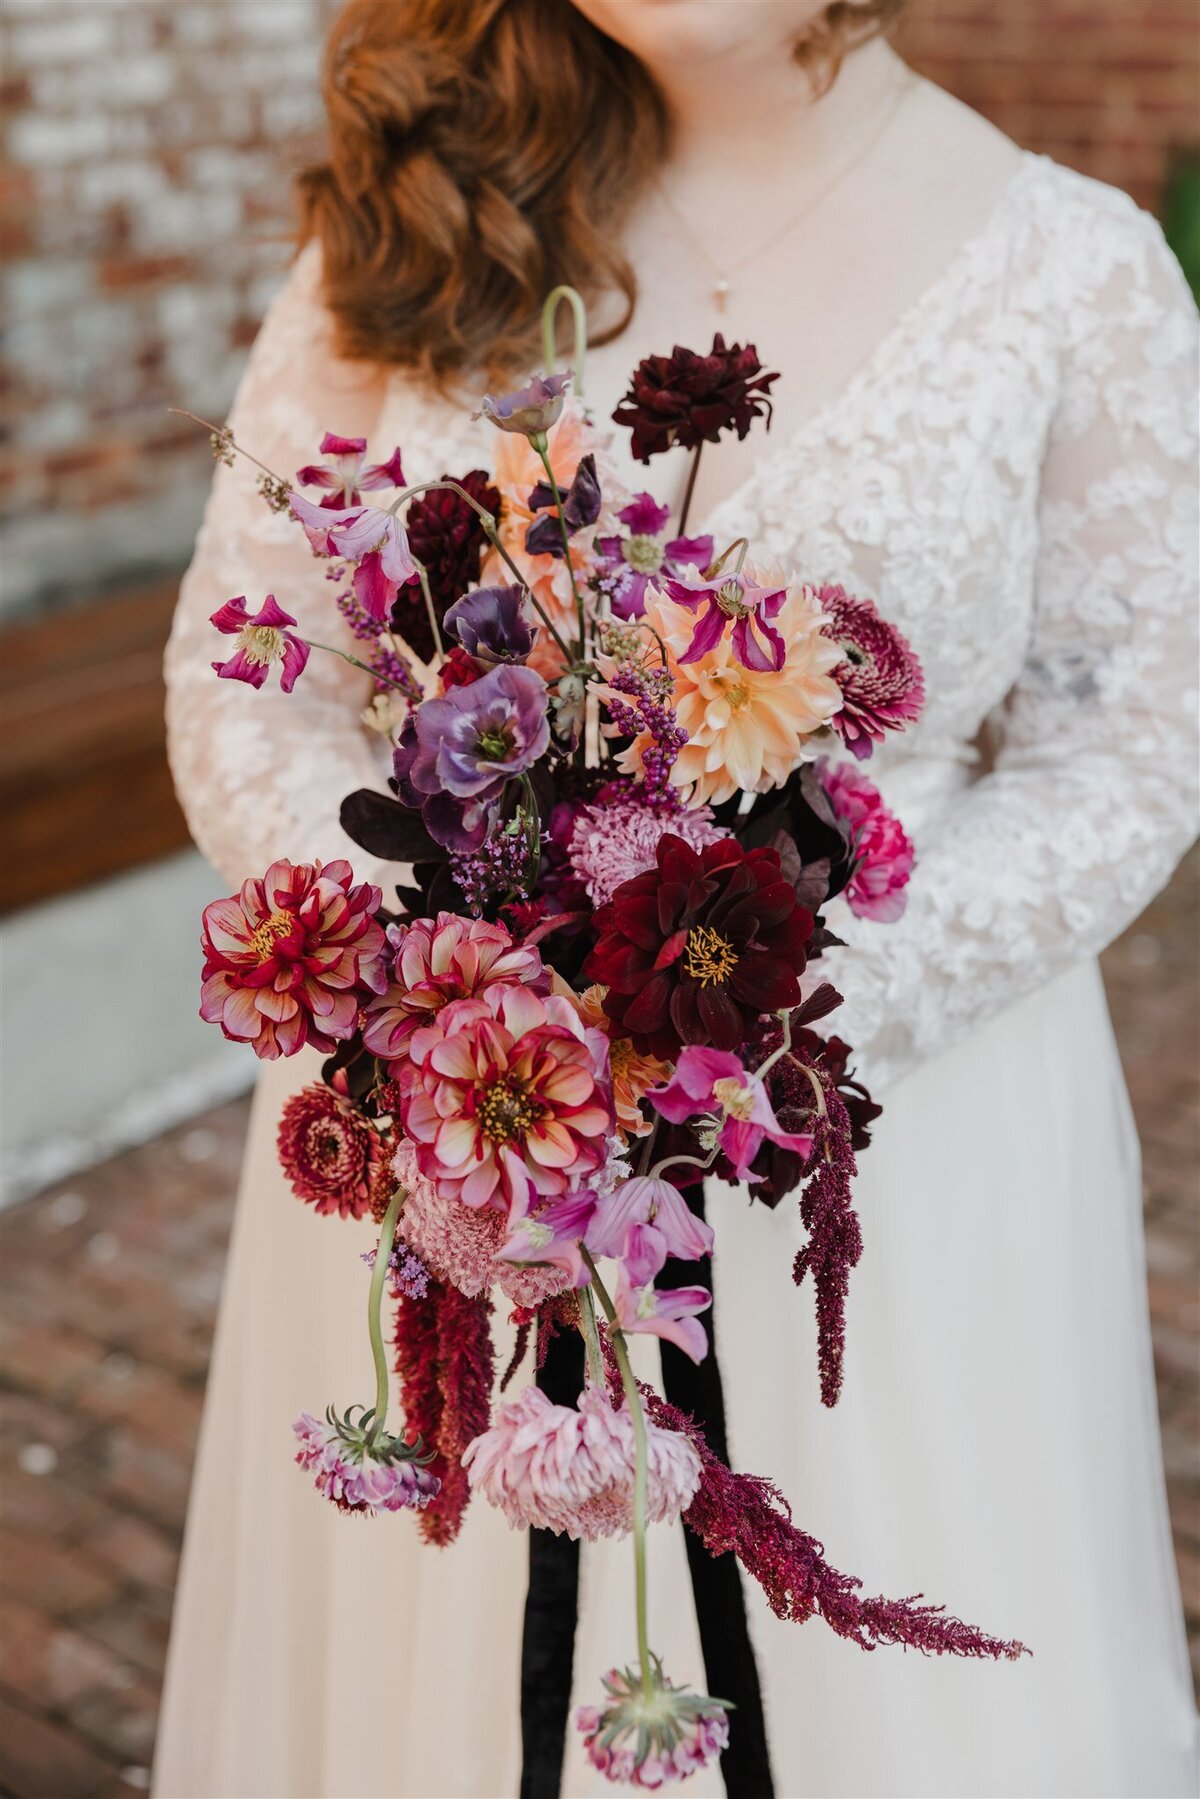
671, 1161
387, 1237
533, 830
591, 1336
777, 1055
332, 650
550, 307
633, 1398
227, 437
540, 445
423, 574
690, 489
741, 545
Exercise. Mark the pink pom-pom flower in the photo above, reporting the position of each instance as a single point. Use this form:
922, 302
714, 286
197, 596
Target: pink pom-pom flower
883, 687
883, 852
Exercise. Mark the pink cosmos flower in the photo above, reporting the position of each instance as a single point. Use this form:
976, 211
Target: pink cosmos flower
714, 1081
571, 1469
290, 959
618, 837
329, 1151
261, 640
653, 1740
368, 536
644, 1200
883, 687
462, 1245
733, 597
344, 475
506, 1098
358, 1475
643, 1309
884, 856
437, 960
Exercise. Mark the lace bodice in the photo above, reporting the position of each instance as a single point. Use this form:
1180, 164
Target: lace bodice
1011, 475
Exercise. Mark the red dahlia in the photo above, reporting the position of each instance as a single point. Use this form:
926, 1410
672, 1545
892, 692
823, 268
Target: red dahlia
688, 399
699, 947
447, 536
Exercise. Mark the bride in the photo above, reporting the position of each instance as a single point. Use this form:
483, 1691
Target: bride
985, 422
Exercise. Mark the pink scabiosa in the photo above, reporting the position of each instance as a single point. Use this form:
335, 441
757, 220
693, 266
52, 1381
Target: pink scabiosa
716, 1084
435, 961
883, 853
618, 836
571, 1469
262, 640
290, 959
329, 1152
506, 1098
343, 475
651, 1733
362, 1470
883, 688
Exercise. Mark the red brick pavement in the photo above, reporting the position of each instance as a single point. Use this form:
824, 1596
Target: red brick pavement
111, 1284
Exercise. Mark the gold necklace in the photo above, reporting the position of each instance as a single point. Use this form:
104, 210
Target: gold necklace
722, 288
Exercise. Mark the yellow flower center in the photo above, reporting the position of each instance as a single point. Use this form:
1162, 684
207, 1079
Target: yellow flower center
506, 1111
707, 956
730, 601
733, 1098
264, 939
262, 643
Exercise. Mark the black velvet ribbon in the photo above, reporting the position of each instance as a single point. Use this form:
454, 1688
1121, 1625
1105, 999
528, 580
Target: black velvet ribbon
551, 1603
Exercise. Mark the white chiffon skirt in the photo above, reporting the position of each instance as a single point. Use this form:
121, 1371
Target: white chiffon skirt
996, 1447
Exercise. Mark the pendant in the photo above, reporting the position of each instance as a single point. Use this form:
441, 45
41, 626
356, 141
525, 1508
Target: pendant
721, 293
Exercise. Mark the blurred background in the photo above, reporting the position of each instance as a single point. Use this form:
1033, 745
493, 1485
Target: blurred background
148, 147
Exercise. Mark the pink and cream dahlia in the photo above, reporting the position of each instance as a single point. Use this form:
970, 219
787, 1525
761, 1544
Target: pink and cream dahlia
291, 958
435, 961
571, 1469
883, 688
329, 1151
506, 1098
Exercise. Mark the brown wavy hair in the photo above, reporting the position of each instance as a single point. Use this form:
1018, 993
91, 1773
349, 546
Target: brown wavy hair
481, 152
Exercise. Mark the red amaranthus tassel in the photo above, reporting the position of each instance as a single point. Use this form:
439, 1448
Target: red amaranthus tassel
834, 1234
445, 1359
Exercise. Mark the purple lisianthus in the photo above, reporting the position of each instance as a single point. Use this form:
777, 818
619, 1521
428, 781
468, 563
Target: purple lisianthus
456, 753
261, 640
343, 473
639, 555
491, 624
733, 597
529, 410
580, 507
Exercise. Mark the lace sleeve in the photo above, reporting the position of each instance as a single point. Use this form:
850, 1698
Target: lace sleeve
1093, 796
261, 774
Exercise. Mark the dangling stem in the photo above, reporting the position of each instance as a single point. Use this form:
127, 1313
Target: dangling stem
777, 1055
226, 436
540, 445
375, 674
423, 573
741, 544
591, 1337
633, 1399
550, 306
690, 488
692, 1162
383, 1255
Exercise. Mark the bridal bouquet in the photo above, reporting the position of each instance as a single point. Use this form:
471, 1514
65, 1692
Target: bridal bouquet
627, 775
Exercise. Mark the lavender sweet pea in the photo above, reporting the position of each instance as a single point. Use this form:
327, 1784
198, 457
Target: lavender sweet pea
529, 410
491, 624
639, 554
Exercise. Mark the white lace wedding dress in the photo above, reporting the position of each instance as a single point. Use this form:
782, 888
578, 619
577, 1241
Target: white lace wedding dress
1012, 476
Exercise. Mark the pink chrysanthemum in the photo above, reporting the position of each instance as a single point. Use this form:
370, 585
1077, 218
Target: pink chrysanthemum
571, 1470
462, 1244
436, 960
883, 688
507, 1099
291, 958
360, 1475
883, 852
651, 1739
328, 1151
616, 839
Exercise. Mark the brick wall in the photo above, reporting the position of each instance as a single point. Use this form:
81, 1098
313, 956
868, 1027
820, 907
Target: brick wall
147, 157
147, 153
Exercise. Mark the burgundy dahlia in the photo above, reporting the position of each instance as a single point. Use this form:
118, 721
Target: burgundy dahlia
447, 536
882, 685
689, 399
329, 1152
700, 946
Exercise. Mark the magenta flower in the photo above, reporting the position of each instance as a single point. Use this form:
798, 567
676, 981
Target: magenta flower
883, 687
643, 1309
639, 554
645, 1200
553, 1237
751, 608
366, 535
883, 853
651, 1740
529, 410
715, 1082
343, 473
571, 1470
361, 1473
261, 640
436, 960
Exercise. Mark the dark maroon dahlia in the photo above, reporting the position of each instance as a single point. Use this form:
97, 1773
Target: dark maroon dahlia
689, 399
883, 688
699, 947
329, 1152
446, 534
